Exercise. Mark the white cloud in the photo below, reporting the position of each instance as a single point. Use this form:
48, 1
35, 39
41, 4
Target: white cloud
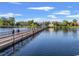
10, 15
52, 16
73, 16
41, 8
63, 12
15, 3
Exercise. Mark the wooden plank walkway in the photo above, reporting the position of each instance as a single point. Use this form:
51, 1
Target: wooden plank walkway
9, 40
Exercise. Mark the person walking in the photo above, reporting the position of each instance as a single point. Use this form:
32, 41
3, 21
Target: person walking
13, 31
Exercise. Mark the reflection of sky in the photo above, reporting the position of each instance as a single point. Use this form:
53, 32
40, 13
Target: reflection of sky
51, 44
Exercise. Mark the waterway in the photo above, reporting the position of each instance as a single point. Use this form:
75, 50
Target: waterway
50, 42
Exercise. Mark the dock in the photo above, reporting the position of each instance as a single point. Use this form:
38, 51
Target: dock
8, 40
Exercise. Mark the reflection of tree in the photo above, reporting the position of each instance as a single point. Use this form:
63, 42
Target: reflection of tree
74, 33
65, 30
52, 30
56, 29
74, 30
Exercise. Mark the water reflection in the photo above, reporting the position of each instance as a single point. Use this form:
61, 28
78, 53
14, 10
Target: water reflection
65, 30
52, 41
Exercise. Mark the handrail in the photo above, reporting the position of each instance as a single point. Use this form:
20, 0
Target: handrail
17, 33
5, 33
8, 35
19, 36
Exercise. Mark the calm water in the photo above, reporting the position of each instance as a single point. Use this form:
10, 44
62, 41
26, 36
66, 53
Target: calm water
50, 42
10, 29
4, 31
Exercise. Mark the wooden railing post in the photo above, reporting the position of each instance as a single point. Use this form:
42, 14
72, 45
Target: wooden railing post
13, 33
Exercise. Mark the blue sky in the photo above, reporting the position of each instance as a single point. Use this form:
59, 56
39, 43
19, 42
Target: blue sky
40, 11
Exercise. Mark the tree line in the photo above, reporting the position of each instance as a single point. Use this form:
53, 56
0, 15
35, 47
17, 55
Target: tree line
10, 22
7, 22
66, 23
28, 24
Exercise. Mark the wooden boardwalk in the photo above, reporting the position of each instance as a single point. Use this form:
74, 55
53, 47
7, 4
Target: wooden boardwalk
12, 39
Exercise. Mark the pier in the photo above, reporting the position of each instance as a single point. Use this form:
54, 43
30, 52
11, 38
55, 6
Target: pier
10, 39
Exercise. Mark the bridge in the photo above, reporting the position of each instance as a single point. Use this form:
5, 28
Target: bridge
10, 39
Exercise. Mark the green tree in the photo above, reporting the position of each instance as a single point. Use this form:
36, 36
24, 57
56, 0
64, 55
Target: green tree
65, 22
47, 23
30, 22
1, 23
11, 21
55, 23
21, 24
5, 22
75, 22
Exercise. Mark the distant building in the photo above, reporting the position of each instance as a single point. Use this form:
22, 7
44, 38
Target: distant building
78, 23
51, 25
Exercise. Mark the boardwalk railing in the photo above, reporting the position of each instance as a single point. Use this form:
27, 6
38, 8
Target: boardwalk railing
8, 34
13, 38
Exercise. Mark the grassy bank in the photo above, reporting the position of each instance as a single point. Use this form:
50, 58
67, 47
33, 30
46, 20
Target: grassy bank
73, 26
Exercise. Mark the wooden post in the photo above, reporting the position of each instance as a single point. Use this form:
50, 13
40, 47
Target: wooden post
13, 32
